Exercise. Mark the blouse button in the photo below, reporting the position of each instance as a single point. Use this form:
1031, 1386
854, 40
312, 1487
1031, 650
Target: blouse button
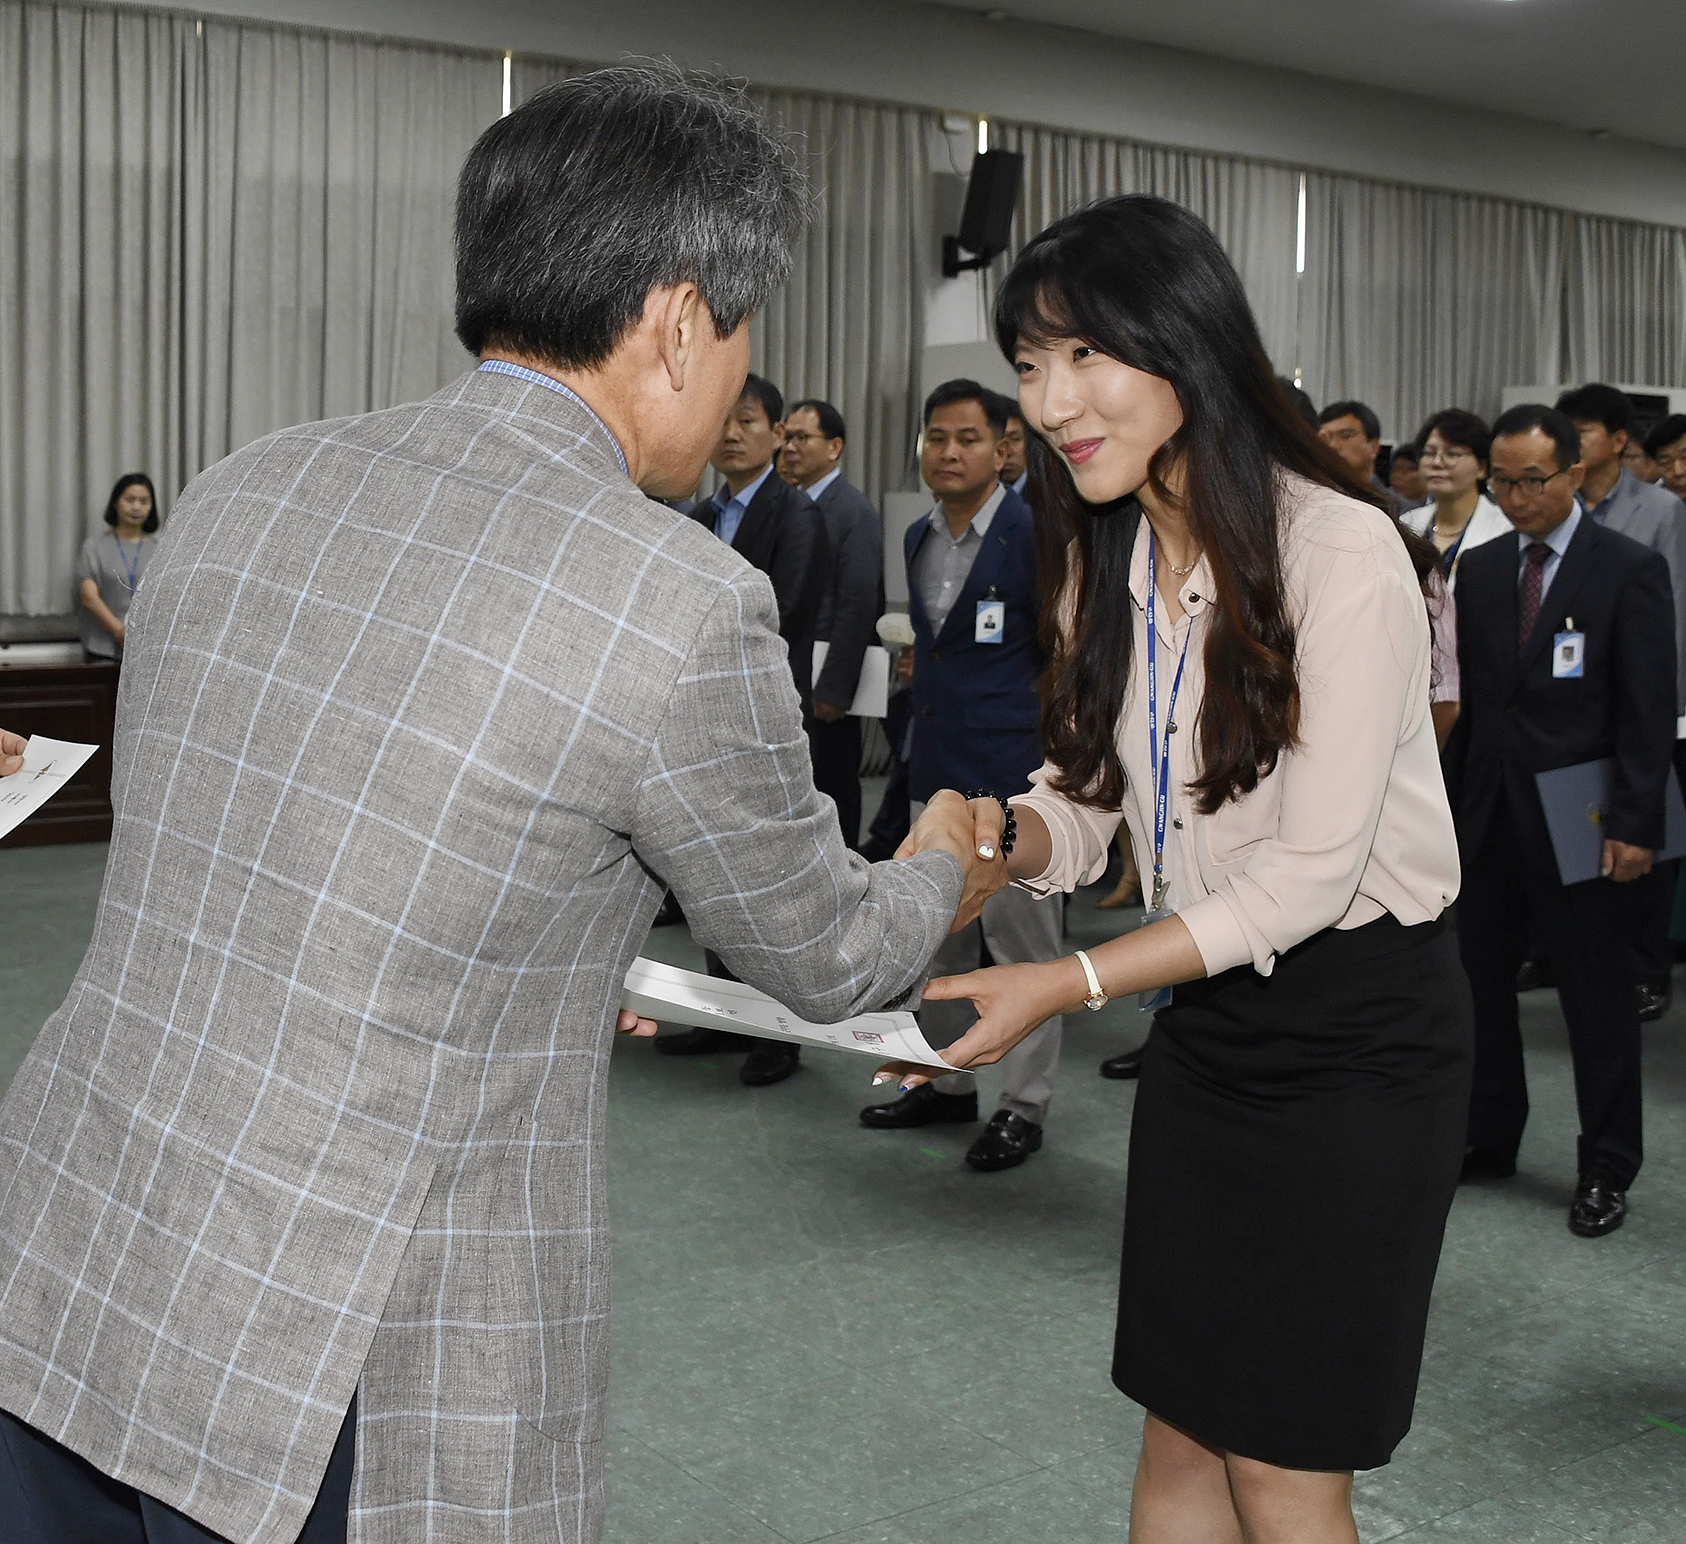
1177, 821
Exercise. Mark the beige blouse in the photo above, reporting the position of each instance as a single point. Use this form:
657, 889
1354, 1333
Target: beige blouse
1353, 822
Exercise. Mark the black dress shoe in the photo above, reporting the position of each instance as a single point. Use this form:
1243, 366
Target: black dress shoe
922, 1105
772, 1061
1598, 1208
1484, 1163
1006, 1142
670, 914
1535, 973
702, 1042
1654, 999
1127, 1064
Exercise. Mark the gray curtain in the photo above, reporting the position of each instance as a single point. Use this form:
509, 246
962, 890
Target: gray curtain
1415, 300
1252, 206
1625, 302
213, 230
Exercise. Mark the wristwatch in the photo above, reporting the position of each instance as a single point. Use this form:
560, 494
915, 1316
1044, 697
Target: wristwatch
1096, 998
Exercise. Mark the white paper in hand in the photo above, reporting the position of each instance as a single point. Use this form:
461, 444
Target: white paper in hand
657, 991
47, 766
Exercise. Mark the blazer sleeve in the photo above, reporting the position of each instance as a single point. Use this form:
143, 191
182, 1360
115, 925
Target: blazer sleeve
1642, 680
1671, 542
858, 588
726, 814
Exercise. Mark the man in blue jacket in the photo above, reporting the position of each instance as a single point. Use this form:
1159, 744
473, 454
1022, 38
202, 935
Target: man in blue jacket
972, 596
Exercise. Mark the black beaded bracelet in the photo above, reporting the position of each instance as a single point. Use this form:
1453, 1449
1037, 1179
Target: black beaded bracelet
1011, 830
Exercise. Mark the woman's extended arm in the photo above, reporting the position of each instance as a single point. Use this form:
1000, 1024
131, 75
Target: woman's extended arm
1013, 999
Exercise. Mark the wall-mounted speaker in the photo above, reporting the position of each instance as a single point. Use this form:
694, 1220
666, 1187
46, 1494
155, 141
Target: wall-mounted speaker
986, 222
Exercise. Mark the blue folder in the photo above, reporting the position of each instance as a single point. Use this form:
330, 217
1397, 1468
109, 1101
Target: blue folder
1575, 799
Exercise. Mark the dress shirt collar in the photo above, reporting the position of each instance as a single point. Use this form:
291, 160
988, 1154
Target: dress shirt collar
1559, 539
1621, 490
980, 521
1194, 592
724, 497
550, 383
824, 483
1017, 484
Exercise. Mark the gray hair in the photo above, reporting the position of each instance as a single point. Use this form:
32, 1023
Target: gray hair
599, 189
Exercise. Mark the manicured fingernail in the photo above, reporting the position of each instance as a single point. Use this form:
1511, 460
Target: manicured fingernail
986, 851
881, 1077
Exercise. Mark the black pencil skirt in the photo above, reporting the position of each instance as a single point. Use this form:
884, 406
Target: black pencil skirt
1295, 1146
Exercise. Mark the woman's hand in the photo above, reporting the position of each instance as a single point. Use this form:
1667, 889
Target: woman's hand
1011, 1000
628, 1023
12, 747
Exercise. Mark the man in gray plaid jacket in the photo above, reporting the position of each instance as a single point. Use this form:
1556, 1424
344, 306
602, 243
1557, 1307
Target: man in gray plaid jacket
302, 1225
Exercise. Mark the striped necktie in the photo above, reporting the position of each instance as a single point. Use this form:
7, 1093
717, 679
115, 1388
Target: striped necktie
1533, 583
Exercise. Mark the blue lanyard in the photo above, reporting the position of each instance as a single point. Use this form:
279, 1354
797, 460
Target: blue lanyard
1158, 747
131, 569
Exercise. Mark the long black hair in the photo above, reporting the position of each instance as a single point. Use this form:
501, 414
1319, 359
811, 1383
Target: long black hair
1144, 281
133, 480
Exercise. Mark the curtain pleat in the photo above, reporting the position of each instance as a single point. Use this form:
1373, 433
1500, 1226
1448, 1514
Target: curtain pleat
1415, 300
214, 229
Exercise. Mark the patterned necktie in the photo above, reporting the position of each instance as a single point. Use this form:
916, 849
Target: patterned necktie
1533, 576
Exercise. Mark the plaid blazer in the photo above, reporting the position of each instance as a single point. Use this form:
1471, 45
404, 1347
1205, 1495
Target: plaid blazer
419, 711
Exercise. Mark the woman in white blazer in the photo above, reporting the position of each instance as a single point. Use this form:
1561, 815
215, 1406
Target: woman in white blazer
1459, 515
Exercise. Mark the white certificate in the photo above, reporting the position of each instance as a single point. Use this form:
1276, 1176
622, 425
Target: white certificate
872, 690
47, 766
657, 991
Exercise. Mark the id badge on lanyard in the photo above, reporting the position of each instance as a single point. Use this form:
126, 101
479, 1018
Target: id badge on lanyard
1160, 747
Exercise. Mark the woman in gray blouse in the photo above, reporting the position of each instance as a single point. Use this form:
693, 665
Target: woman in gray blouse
113, 561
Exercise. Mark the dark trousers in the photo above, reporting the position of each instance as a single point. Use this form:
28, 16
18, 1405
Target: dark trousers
835, 750
1510, 890
50, 1495
1652, 900
895, 815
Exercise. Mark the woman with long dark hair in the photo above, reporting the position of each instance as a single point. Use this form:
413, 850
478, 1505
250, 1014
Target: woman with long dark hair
1241, 675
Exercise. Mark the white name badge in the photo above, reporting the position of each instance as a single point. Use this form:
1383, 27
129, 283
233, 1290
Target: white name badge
1568, 656
992, 617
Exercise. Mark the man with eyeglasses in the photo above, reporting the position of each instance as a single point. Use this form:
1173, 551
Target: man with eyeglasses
814, 438
1666, 445
1655, 518
1566, 654
1354, 433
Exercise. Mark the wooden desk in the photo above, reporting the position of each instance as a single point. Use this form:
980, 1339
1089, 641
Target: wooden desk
65, 702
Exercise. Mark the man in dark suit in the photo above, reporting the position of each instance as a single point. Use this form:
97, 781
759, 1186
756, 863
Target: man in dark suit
972, 598
1619, 501
814, 437
1566, 652
777, 528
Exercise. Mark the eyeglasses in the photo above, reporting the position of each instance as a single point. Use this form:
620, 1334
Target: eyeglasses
1431, 457
802, 437
1503, 486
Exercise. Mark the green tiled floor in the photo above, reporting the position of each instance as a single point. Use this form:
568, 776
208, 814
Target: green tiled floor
823, 1332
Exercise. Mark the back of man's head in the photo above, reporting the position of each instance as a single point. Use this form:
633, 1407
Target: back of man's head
600, 189
1597, 403
994, 405
1559, 426
1371, 424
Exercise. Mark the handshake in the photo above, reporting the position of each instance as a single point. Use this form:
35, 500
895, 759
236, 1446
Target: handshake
972, 830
